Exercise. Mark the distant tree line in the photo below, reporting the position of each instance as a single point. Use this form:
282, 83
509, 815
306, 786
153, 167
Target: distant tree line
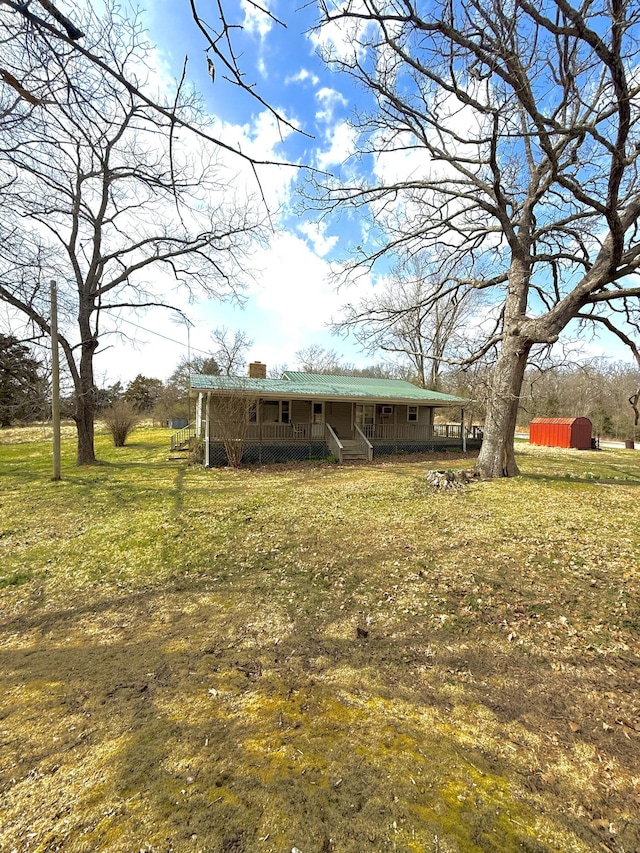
600, 390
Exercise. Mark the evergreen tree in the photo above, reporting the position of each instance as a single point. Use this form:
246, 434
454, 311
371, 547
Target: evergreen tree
22, 384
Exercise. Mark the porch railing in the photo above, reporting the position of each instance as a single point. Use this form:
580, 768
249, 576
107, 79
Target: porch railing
411, 432
182, 437
306, 431
279, 432
333, 442
292, 431
363, 443
447, 431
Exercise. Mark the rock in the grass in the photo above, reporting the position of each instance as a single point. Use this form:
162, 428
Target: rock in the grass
450, 479
441, 479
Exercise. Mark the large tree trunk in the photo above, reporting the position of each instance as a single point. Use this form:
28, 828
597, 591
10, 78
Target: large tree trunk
497, 457
84, 418
86, 397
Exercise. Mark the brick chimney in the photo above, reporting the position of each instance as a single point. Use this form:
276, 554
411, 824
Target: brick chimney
257, 370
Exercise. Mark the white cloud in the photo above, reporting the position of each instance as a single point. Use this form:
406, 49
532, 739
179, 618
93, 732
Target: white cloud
260, 139
256, 21
342, 39
341, 138
294, 281
289, 306
329, 100
303, 76
296, 300
261, 65
315, 232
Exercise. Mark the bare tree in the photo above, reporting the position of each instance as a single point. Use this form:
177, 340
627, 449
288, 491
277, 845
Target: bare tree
230, 418
411, 320
231, 350
505, 142
275, 371
634, 402
100, 195
40, 41
317, 359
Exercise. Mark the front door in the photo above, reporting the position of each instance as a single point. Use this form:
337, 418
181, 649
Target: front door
317, 419
365, 418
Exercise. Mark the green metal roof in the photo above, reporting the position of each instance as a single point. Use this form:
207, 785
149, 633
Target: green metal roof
202, 382
325, 386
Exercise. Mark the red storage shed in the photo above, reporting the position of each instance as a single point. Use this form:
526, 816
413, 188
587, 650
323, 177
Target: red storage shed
561, 432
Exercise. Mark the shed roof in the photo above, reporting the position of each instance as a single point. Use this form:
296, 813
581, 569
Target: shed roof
566, 421
325, 386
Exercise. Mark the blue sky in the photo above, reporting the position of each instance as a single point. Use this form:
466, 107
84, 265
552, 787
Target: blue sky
290, 301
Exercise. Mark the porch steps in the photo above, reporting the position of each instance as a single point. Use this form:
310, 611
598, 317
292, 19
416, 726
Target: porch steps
351, 451
181, 440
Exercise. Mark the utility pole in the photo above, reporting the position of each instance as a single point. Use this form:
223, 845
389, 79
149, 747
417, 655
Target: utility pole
188, 325
55, 383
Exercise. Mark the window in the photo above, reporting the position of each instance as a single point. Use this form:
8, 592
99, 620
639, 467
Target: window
364, 415
270, 411
412, 414
276, 411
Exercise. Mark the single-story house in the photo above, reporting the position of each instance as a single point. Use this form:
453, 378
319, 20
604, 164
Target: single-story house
315, 416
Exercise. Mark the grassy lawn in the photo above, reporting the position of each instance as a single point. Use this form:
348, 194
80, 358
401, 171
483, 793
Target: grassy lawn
317, 657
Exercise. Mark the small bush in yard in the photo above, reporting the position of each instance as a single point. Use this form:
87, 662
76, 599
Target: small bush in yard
121, 418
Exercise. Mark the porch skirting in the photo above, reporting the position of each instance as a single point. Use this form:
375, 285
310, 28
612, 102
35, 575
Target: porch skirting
265, 453
393, 448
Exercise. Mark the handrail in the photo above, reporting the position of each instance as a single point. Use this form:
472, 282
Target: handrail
182, 436
364, 443
333, 442
289, 431
411, 432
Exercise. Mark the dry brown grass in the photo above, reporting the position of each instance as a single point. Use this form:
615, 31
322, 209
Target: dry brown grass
325, 658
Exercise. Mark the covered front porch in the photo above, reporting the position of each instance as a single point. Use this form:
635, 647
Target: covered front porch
356, 432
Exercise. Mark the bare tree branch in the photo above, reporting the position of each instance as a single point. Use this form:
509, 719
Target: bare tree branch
102, 194
526, 122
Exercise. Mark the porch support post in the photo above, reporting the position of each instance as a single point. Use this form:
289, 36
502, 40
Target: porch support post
199, 415
464, 434
206, 432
